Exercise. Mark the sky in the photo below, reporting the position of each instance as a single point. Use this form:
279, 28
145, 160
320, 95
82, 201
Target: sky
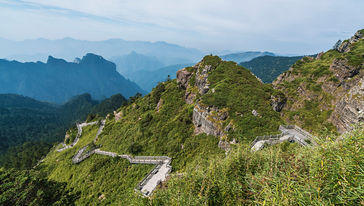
281, 26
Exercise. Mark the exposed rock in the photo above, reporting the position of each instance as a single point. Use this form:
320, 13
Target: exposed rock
286, 76
345, 46
278, 102
202, 79
319, 55
208, 120
183, 77
343, 70
255, 113
224, 145
118, 115
102, 197
159, 104
349, 109
190, 97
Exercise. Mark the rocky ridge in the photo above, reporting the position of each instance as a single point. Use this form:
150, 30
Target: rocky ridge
207, 119
334, 80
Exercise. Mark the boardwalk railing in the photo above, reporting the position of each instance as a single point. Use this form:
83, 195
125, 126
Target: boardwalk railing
267, 137
285, 129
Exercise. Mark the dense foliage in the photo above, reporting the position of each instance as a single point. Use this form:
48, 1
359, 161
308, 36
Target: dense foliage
27, 188
268, 68
29, 127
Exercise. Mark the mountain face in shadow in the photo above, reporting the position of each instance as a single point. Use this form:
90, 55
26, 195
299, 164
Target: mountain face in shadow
58, 80
268, 68
245, 56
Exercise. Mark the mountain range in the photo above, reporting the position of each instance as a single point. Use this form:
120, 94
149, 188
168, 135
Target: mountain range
191, 140
58, 80
245, 56
68, 49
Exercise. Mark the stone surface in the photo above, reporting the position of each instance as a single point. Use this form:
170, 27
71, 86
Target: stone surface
208, 120
349, 109
345, 46
277, 102
183, 77
202, 75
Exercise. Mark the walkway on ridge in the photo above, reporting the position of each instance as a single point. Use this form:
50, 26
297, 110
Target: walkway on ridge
150, 181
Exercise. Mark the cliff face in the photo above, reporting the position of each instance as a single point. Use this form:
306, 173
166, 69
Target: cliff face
326, 91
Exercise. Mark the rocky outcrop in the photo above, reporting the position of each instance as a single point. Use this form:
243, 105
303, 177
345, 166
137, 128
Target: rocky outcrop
345, 45
183, 77
339, 92
202, 82
349, 110
201, 73
343, 70
209, 120
277, 102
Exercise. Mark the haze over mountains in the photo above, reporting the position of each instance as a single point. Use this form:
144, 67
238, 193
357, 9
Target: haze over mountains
68, 49
59, 80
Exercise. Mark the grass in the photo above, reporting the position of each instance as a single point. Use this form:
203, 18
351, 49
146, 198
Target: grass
284, 174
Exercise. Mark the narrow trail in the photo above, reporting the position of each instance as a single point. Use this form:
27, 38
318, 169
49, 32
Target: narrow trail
149, 182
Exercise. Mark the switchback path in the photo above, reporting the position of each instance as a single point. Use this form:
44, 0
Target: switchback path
150, 181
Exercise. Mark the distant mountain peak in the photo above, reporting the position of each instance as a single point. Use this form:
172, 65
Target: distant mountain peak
52, 60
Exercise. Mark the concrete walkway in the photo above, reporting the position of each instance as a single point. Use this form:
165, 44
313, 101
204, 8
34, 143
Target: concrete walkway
159, 173
290, 133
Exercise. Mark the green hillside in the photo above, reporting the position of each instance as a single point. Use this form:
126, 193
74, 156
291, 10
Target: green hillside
268, 68
144, 128
210, 104
30, 127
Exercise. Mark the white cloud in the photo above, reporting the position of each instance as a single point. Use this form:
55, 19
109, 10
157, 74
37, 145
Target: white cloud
277, 25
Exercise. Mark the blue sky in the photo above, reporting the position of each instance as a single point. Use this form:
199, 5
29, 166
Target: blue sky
284, 26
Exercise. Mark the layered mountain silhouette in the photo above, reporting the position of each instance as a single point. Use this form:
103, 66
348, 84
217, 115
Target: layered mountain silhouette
58, 80
245, 56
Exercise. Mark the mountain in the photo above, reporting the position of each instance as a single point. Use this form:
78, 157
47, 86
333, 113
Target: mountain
144, 70
147, 79
31, 127
184, 119
134, 62
202, 124
245, 56
326, 93
268, 68
68, 48
58, 80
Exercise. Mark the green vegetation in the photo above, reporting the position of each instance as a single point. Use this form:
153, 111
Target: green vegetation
29, 127
285, 174
141, 131
27, 188
239, 92
268, 68
309, 104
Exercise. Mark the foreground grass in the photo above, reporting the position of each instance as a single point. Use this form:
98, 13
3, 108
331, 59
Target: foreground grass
285, 174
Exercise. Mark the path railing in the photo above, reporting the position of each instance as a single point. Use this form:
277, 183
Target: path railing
273, 139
